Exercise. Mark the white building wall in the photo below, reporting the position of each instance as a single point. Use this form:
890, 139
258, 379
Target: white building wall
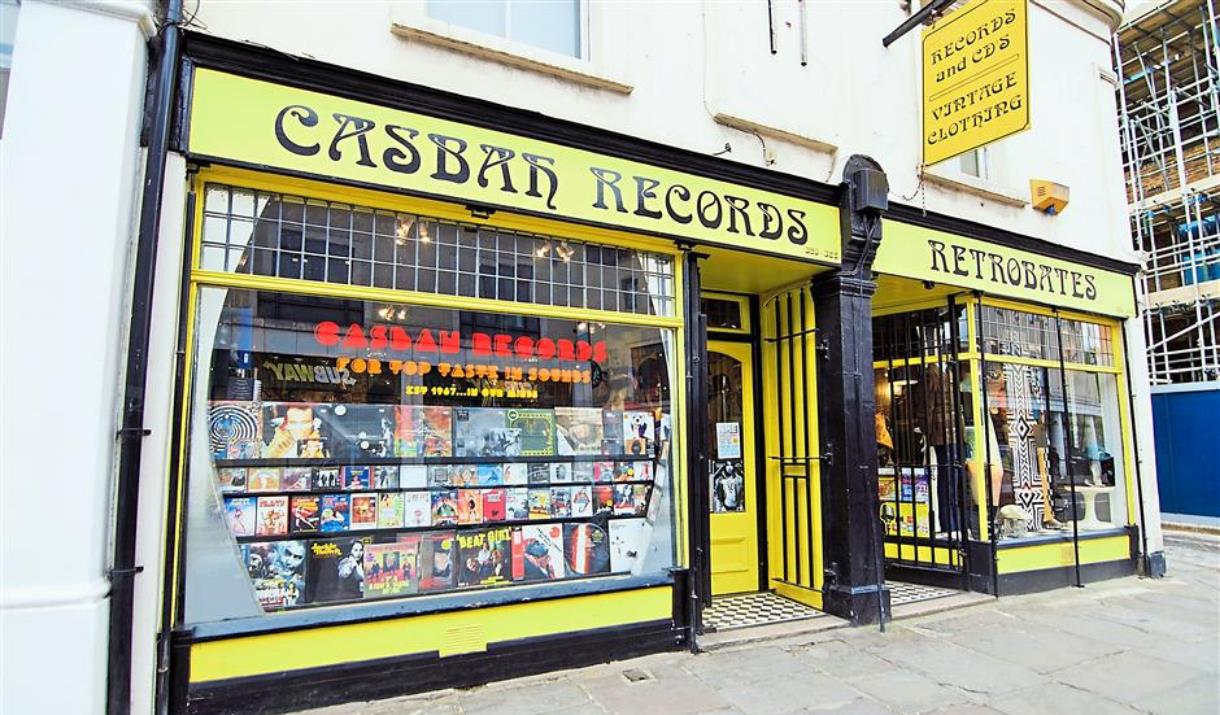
69, 180
686, 62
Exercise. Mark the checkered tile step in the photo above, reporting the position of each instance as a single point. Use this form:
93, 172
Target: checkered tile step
903, 593
754, 609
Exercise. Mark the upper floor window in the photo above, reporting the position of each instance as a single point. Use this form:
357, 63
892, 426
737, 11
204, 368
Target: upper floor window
8, 33
974, 163
554, 25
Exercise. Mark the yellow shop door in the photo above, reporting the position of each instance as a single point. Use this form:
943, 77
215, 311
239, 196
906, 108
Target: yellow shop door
730, 459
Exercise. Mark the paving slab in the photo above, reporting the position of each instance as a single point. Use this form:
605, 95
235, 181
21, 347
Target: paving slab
1127, 677
1056, 699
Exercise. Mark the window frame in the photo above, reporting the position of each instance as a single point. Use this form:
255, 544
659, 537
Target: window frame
376, 609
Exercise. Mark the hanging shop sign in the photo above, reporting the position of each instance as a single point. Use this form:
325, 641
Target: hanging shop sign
322, 135
975, 78
927, 254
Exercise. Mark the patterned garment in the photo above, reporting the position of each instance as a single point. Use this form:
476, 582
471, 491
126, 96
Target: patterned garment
1023, 389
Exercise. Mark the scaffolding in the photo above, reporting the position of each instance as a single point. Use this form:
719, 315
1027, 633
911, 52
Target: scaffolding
1168, 65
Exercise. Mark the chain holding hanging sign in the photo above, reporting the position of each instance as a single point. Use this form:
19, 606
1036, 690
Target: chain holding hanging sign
975, 78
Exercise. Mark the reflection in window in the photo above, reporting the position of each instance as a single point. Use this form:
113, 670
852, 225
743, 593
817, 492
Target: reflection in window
1049, 447
1029, 335
553, 25
344, 451
266, 234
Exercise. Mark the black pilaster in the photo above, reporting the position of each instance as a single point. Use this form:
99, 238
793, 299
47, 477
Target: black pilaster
699, 532
851, 530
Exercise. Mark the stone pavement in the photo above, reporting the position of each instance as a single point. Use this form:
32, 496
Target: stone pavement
1121, 646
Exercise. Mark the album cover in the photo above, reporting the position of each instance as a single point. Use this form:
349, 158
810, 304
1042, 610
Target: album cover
541, 552
603, 498
355, 431
582, 501
413, 476
336, 569
603, 472
490, 475
272, 516
386, 476
624, 499
536, 428
444, 507
639, 498
416, 509
356, 478
517, 506
654, 504
242, 515
390, 569
561, 502
327, 478
437, 560
390, 510
423, 431
263, 479
641, 471
586, 549
485, 557
231, 480
516, 473
666, 436
277, 571
464, 475
336, 510
539, 473
624, 471
305, 514
582, 472
639, 433
438, 475
494, 504
540, 502
484, 432
612, 432
469, 506
235, 429
628, 545
296, 479
561, 473
728, 485
578, 430
293, 430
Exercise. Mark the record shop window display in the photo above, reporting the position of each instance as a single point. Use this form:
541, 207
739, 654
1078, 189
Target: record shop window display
346, 451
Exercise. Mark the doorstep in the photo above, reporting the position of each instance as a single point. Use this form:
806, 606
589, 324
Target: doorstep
772, 632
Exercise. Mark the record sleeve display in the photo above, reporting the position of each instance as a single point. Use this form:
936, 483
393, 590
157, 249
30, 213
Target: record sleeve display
349, 494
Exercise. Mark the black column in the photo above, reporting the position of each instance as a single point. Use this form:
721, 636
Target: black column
698, 516
851, 530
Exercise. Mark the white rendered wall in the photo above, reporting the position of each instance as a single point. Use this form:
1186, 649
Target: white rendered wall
688, 61
69, 167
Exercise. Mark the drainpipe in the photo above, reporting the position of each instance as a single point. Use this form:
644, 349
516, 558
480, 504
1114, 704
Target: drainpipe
131, 434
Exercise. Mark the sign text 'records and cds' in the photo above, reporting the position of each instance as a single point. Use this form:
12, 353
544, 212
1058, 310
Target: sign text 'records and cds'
975, 78
265, 124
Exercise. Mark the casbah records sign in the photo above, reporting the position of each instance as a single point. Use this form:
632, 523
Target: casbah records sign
927, 254
975, 78
267, 124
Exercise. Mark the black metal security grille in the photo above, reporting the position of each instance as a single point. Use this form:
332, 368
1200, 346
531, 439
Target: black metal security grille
923, 415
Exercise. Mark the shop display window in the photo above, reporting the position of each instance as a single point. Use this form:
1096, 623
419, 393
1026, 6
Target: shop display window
344, 451
1054, 437
269, 234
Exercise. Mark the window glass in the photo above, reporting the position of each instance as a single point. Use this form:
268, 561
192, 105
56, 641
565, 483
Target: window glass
345, 451
549, 24
8, 34
1021, 334
1048, 447
721, 313
974, 163
266, 234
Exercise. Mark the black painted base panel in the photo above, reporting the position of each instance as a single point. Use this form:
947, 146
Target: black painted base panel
927, 577
390, 677
1048, 579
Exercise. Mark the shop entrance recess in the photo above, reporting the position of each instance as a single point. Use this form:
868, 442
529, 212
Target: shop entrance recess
921, 442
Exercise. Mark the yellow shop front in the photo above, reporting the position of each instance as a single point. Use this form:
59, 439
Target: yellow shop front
434, 409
